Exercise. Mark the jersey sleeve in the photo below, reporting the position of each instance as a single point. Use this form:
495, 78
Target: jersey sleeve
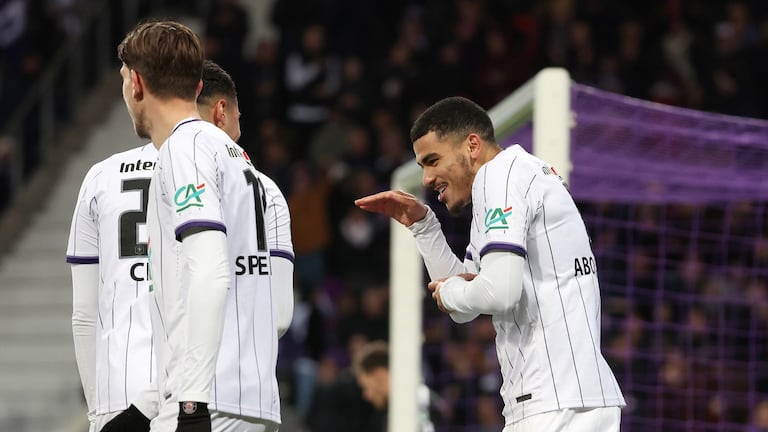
502, 211
278, 221
190, 178
83, 244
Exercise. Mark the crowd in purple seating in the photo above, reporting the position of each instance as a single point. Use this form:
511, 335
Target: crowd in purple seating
328, 92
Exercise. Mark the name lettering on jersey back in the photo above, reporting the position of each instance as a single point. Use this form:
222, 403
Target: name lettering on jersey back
252, 264
235, 153
139, 272
584, 266
139, 165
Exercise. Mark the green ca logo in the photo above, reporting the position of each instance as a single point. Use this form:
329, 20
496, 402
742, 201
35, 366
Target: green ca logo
496, 218
189, 196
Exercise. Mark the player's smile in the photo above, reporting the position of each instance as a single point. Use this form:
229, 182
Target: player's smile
441, 192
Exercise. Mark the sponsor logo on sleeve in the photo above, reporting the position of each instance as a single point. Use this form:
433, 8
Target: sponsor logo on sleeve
188, 196
496, 218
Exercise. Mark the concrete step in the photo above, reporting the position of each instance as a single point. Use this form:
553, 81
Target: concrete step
17, 295
55, 322
43, 264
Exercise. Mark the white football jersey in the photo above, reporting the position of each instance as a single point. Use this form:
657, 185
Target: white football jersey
549, 345
109, 228
203, 180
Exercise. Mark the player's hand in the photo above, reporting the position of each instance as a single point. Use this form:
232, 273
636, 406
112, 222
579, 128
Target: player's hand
194, 417
400, 206
130, 420
434, 288
435, 285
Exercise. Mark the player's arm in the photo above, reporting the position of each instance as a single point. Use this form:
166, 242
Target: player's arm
419, 218
85, 306
282, 281
83, 256
438, 257
206, 255
281, 254
496, 289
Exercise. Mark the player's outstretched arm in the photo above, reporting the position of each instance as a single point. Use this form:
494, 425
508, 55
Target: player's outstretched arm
400, 206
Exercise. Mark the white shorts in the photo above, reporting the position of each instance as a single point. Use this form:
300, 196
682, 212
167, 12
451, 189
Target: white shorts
571, 420
166, 421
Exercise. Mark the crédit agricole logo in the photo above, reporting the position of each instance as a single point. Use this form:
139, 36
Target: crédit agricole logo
188, 196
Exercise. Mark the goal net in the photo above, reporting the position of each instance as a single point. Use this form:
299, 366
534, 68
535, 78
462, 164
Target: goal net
675, 203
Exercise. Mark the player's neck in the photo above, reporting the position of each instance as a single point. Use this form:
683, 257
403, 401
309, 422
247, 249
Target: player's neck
166, 114
488, 152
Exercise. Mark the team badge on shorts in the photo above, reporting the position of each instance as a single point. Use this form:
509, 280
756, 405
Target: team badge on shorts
189, 407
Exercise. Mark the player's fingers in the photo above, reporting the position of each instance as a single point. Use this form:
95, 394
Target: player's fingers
467, 276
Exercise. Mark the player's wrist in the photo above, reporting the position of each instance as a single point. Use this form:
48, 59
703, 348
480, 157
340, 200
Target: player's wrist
193, 417
426, 223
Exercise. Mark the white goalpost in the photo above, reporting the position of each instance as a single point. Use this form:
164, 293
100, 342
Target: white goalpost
545, 101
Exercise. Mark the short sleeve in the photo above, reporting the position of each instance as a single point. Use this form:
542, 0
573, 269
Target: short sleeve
278, 221
83, 244
190, 175
501, 210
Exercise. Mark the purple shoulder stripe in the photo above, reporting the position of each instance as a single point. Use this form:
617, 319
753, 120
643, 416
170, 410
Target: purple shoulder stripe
82, 260
282, 254
498, 246
199, 224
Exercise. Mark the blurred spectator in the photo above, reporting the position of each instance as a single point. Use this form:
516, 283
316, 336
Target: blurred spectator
226, 27
312, 79
312, 232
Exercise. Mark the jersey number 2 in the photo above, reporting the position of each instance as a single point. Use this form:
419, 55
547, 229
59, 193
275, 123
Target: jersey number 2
260, 204
129, 221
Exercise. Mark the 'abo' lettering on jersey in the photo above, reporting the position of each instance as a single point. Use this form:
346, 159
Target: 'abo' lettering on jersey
584, 266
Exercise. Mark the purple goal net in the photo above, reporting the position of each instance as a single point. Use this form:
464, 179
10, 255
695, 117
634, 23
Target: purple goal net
675, 203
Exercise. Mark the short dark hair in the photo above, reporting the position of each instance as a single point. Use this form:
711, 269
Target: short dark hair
454, 116
216, 83
168, 55
371, 356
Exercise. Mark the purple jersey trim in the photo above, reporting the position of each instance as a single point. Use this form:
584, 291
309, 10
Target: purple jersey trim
205, 224
282, 254
82, 260
498, 246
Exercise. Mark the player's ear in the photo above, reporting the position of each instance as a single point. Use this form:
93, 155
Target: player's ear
474, 144
137, 85
219, 112
199, 89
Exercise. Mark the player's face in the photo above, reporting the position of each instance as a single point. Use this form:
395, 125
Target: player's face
375, 387
232, 126
137, 115
446, 169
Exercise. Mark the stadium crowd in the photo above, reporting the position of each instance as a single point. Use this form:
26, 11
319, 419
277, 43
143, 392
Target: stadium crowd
327, 97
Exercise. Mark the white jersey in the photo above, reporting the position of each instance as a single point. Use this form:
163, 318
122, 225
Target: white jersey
109, 228
203, 180
549, 345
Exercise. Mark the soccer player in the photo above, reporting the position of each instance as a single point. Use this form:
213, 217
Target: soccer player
529, 265
107, 251
209, 252
113, 201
